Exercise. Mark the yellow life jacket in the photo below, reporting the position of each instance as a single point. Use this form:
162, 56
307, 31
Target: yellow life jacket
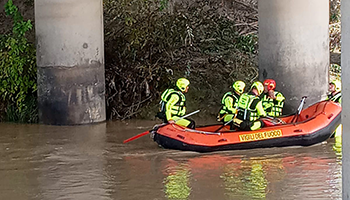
335, 98
273, 107
247, 107
224, 107
179, 109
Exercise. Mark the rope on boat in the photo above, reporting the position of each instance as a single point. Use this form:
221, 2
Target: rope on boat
195, 131
202, 132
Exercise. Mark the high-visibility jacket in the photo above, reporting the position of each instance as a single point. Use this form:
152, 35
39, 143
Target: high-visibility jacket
173, 103
229, 103
336, 97
250, 107
273, 107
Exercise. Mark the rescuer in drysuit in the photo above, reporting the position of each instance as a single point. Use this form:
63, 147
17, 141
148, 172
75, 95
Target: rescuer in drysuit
272, 101
173, 104
229, 102
250, 109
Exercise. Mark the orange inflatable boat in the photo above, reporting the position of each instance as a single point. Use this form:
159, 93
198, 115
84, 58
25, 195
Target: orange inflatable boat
312, 125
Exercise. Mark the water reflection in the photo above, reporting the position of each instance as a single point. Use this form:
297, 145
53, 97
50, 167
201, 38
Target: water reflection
264, 177
240, 178
337, 147
247, 183
177, 184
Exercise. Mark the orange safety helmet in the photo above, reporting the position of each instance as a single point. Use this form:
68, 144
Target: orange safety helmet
270, 83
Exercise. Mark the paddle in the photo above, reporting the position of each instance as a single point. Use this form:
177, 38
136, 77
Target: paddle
300, 108
135, 137
223, 125
301, 104
234, 117
146, 132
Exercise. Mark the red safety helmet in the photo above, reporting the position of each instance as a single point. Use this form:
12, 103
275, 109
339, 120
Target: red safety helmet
270, 83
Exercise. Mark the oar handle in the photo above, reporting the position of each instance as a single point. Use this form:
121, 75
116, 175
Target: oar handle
301, 104
228, 122
269, 117
192, 113
299, 109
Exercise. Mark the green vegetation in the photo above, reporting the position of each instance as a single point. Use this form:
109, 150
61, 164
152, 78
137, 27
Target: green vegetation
18, 70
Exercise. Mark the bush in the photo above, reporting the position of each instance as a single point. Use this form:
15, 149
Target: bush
149, 45
18, 69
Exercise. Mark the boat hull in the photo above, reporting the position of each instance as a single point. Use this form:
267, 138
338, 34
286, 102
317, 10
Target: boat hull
316, 124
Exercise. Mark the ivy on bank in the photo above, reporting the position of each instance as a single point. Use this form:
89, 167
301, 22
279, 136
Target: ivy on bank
18, 70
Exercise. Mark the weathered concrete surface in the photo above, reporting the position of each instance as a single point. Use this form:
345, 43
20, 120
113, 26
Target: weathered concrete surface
294, 48
70, 59
345, 60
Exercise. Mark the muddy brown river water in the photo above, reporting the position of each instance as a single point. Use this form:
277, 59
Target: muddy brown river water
91, 162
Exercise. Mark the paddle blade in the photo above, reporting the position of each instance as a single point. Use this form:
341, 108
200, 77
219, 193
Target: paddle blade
135, 137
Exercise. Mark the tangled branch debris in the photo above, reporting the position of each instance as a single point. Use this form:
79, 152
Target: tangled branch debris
149, 46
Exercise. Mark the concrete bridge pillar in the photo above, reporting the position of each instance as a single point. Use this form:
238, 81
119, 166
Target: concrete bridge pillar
345, 117
70, 60
294, 48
